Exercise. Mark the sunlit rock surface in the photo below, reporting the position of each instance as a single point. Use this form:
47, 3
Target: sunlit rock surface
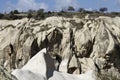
41, 67
75, 45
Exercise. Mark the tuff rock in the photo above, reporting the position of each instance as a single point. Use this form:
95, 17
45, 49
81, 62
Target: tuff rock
75, 45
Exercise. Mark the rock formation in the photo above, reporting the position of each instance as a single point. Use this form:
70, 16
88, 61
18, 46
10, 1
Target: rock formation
75, 45
41, 67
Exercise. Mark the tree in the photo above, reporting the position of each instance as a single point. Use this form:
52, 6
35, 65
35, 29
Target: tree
40, 14
82, 10
63, 9
103, 9
11, 16
70, 8
16, 12
30, 13
40, 11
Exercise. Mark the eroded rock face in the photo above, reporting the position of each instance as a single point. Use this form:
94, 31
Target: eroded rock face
76, 45
39, 67
44, 69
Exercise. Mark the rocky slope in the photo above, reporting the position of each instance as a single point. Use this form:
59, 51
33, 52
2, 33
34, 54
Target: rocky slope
75, 45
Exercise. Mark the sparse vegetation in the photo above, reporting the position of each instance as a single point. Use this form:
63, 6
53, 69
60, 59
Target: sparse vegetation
82, 10
70, 8
103, 9
16, 12
69, 12
40, 14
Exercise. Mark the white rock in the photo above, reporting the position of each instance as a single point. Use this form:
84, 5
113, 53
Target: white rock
65, 76
40, 64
